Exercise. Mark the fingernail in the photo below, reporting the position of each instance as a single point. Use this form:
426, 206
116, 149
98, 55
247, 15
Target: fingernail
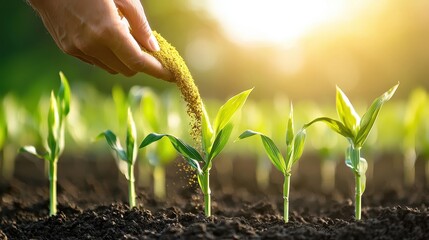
153, 43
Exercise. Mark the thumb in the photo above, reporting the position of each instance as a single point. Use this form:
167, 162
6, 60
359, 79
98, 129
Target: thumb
140, 29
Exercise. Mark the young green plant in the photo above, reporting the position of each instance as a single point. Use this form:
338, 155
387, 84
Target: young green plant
125, 157
213, 141
355, 129
413, 119
58, 111
161, 112
294, 149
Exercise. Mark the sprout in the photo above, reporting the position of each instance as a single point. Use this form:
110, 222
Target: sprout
213, 141
294, 149
356, 130
414, 112
126, 157
58, 110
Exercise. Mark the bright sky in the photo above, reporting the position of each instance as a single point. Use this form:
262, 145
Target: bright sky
279, 21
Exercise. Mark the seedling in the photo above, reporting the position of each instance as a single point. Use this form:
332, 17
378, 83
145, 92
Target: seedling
126, 157
160, 112
213, 141
414, 112
58, 111
355, 130
294, 149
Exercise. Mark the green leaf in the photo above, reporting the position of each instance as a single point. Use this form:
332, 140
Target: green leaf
290, 132
64, 96
346, 112
298, 145
207, 131
121, 104
221, 139
115, 144
270, 148
149, 107
335, 125
363, 166
32, 150
53, 127
184, 149
227, 111
370, 116
194, 164
130, 142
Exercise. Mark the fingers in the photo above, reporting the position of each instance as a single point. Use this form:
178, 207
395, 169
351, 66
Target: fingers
140, 29
128, 51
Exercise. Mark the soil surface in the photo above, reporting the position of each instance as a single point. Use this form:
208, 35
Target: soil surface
92, 197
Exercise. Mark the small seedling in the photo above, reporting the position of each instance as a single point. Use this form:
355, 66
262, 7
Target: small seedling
413, 120
356, 130
126, 157
58, 111
294, 149
213, 141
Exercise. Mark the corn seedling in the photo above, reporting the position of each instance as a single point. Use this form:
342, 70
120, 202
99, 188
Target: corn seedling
160, 113
213, 141
413, 118
294, 149
125, 157
355, 129
58, 110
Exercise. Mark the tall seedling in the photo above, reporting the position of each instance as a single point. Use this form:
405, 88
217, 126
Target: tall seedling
294, 149
355, 130
213, 141
58, 111
125, 157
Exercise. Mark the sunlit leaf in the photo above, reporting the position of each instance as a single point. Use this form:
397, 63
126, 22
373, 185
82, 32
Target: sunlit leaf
221, 139
335, 125
227, 111
121, 103
130, 142
299, 143
207, 131
346, 112
150, 109
64, 96
115, 144
181, 147
270, 148
370, 116
53, 125
290, 132
32, 150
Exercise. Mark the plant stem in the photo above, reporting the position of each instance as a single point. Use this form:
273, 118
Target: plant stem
355, 157
286, 187
358, 197
131, 188
159, 182
53, 187
207, 193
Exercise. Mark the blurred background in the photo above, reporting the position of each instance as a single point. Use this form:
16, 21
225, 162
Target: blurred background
300, 49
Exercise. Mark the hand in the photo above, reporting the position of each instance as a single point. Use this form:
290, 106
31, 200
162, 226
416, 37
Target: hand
95, 32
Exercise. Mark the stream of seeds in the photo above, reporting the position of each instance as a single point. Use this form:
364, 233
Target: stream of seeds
170, 59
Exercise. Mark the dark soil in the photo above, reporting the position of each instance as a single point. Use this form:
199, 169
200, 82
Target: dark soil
92, 199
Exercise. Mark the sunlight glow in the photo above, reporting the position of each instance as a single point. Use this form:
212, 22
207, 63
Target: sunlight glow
276, 21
